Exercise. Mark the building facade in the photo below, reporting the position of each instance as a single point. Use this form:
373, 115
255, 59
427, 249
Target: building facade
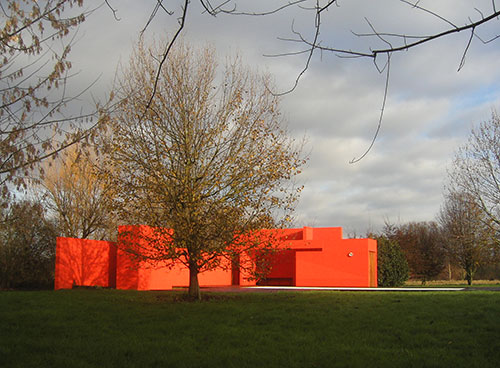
307, 257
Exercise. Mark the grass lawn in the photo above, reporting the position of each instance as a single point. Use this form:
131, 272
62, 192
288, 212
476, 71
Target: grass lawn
111, 328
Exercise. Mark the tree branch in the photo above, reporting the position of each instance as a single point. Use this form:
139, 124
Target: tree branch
167, 51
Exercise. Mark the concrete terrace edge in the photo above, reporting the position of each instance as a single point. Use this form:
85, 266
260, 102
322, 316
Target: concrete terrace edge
298, 288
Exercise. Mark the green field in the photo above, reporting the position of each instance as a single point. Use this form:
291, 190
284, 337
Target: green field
110, 328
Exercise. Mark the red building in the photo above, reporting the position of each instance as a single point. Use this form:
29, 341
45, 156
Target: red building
310, 257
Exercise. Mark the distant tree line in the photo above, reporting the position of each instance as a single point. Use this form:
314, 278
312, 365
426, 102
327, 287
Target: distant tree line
464, 242
75, 200
429, 250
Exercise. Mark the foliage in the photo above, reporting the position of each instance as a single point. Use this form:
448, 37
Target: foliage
34, 66
79, 196
392, 266
27, 247
489, 271
467, 232
207, 157
422, 245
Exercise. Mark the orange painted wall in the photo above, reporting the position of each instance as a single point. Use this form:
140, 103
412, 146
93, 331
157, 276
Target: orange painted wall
282, 269
323, 258
310, 257
162, 276
345, 264
83, 262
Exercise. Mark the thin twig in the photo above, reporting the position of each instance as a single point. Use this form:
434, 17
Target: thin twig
273, 11
330, 3
292, 53
166, 53
462, 61
113, 10
159, 4
355, 160
309, 57
437, 35
429, 12
487, 41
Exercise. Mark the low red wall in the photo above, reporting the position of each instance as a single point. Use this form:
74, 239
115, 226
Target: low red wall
84, 262
162, 276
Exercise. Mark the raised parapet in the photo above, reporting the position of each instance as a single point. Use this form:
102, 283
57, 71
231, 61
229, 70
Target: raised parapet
307, 233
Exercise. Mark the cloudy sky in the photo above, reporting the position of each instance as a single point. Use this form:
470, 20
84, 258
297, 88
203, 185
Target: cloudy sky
430, 106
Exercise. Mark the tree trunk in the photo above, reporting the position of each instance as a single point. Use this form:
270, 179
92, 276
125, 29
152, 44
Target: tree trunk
468, 277
194, 286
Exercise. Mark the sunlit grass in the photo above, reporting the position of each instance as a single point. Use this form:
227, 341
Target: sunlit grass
109, 328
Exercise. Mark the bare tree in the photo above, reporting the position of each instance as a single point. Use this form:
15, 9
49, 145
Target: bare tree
27, 246
476, 168
78, 196
209, 159
422, 245
35, 41
467, 232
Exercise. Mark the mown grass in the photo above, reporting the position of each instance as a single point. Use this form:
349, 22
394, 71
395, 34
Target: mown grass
110, 328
